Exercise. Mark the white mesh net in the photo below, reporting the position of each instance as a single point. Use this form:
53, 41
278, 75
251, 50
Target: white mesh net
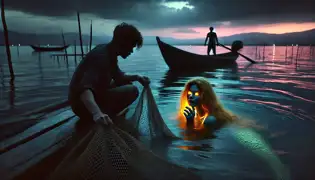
116, 153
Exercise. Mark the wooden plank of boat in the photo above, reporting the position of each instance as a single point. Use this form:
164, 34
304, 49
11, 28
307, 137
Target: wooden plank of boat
35, 152
178, 59
41, 49
19, 153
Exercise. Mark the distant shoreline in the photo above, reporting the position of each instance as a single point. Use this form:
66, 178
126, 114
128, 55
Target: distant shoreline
52, 45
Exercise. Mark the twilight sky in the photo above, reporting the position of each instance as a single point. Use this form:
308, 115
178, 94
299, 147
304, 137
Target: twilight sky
182, 19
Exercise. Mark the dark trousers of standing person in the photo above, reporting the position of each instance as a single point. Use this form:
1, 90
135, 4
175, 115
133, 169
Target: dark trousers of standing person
213, 47
111, 102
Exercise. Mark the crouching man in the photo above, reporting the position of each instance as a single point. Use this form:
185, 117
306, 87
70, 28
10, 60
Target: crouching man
99, 89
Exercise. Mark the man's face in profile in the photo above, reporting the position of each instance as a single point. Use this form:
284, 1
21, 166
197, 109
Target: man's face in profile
127, 49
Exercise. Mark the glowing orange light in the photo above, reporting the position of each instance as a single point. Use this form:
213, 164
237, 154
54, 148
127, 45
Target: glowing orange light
198, 120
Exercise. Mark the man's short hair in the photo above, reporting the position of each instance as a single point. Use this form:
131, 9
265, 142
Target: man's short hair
128, 32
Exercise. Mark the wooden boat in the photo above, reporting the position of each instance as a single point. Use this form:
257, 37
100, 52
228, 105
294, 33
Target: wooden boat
34, 152
43, 49
178, 59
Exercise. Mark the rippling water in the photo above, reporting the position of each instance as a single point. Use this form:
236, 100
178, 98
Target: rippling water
278, 93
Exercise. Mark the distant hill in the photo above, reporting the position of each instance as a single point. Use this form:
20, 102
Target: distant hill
302, 38
53, 39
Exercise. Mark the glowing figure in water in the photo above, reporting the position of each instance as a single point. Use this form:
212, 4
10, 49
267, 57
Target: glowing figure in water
199, 104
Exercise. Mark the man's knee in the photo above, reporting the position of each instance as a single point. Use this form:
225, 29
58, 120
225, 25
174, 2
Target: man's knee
134, 91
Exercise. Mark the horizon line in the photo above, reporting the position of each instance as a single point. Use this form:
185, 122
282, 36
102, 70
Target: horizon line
87, 34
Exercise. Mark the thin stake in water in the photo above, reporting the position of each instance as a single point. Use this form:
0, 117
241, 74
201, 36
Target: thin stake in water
264, 52
296, 57
64, 44
80, 34
6, 38
75, 51
91, 36
286, 52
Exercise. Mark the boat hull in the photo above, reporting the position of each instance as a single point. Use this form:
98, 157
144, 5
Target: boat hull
43, 49
178, 59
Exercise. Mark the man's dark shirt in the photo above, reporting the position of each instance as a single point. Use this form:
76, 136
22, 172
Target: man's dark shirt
95, 72
212, 38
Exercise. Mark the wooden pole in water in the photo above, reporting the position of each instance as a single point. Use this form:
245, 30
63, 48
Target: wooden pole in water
80, 34
297, 53
18, 50
91, 35
256, 52
292, 52
64, 43
286, 52
75, 50
6, 38
264, 51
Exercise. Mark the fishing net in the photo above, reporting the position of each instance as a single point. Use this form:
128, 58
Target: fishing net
146, 120
115, 152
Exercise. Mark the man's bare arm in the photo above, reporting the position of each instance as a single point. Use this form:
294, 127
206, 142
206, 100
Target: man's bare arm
88, 100
131, 78
121, 77
216, 38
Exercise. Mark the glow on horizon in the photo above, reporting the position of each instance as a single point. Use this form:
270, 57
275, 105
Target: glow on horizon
226, 30
177, 5
18, 21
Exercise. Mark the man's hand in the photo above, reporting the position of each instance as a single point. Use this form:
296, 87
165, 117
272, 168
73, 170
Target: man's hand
145, 81
102, 118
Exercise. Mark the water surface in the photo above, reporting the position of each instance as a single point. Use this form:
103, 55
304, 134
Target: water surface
278, 93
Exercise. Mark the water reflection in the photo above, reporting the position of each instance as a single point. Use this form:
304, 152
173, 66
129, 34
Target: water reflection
12, 94
2, 89
274, 93
202, 147
192, 134
162, 147
40, 68
172, 84
173, 81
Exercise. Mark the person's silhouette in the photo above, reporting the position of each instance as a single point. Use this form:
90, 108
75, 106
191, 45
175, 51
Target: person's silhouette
99, 89
213, 41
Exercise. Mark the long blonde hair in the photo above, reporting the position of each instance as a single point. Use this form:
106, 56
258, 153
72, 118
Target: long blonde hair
209, 104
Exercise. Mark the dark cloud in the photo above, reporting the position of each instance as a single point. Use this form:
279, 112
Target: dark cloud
149, 13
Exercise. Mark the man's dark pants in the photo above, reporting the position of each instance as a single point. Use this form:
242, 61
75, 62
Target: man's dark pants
111, 102
213, 47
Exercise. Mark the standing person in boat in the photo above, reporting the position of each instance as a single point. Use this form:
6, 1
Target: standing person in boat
99, 89
213, 41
